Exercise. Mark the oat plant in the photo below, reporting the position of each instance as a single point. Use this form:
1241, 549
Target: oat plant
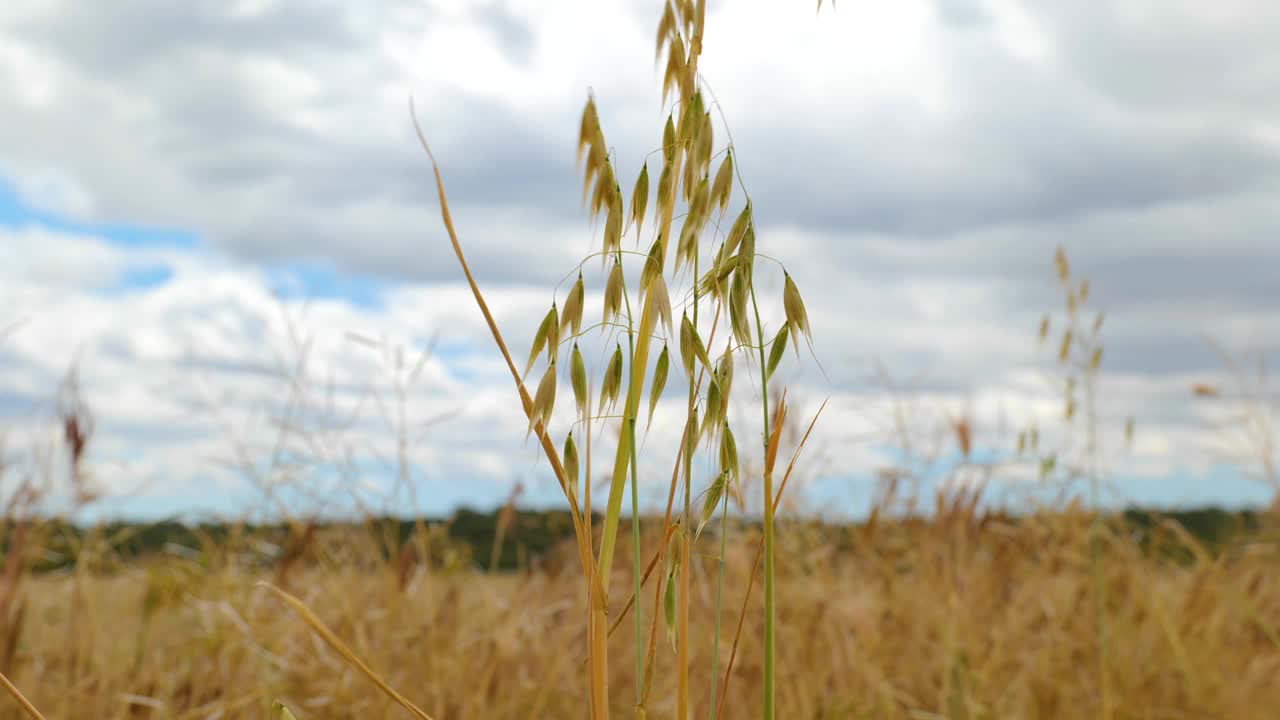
675, 264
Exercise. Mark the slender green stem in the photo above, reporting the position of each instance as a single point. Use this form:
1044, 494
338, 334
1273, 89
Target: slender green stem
768, 522
635, 526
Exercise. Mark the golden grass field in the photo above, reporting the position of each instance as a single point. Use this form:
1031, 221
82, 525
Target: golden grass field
957, 617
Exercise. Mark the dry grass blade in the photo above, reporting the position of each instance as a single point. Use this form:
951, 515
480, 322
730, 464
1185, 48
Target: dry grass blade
341, 648
22, 701
527, 402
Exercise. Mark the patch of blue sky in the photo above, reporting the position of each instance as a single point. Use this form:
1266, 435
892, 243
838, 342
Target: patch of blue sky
298, 280
14, 212
139, 279
461, 360
322, 281
17, 406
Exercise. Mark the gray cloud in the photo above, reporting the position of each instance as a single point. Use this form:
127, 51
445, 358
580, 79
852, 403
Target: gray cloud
136, 36
1208, 58
1023, 142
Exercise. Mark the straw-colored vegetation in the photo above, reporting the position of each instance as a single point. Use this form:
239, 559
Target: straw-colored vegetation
960, 616
697, 611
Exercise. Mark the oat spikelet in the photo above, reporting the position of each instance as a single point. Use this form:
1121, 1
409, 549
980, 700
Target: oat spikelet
714, 407
669, 140
738, 295
728, 453
700, 201
776, 350
674, 75
540, 338
571, 315
691, 347
640, 199
687, 249
553, 332
570, 463
613, 293
666, 28
613, 223
652, 266
724, 375
711, 501
578, 378
612, 381
737, 231
661, 300
659, 383
666, 196
588, 127
699, 153
720, 189
694, 220
747, 253
714, 282
544, 399
690, 122
793, 307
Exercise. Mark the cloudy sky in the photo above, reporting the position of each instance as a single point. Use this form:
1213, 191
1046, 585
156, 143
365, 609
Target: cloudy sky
205, 204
